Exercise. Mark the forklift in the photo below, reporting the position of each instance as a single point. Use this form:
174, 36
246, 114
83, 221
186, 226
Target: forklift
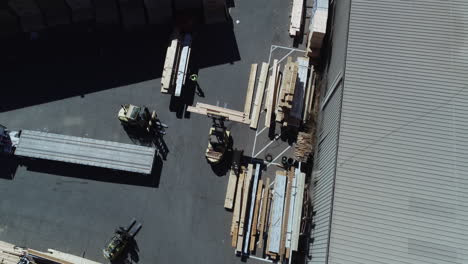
132, 116
219, 140
121, 239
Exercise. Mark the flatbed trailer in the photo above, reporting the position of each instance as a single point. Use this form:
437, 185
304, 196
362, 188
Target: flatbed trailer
85, 151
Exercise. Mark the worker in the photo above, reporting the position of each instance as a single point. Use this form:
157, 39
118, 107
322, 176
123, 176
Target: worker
194, 77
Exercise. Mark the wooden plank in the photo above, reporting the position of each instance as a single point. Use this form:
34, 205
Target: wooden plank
297, 107
296, 17
263, 212
255, 217
183, 62
271, 96
252, 209
276, 221
284, 227
169, 65
309, 94
250, 90
296, 225
221, 109
259, 96
292, 202
47, 256
205, 111
237, 209
231, 190
245, 196
71, 258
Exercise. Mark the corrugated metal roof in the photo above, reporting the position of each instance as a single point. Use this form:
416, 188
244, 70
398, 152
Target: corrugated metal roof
401, 189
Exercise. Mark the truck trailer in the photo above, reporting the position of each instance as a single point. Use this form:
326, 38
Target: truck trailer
77, 150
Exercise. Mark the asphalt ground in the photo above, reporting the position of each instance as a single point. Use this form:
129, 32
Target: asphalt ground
48, 205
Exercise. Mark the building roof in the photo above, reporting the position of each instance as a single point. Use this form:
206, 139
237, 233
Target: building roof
401, 186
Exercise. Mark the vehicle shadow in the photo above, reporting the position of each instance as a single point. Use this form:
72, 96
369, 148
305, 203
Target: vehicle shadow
95, 173
9, 166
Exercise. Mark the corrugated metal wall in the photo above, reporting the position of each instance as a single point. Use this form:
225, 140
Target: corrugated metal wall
324, 174
401, 190
325, 159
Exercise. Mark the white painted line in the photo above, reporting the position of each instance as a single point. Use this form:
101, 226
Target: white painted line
271, 184
255, 142
267, 145
261, 259
285, 56
263, 129
286, 149
283, 47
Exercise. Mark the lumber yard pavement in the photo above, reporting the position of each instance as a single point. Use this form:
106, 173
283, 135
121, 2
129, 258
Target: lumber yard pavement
75, 86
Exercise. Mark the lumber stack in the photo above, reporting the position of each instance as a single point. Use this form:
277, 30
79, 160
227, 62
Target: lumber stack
287, 89
297, 14
232, 115
317, 31
259, 96
297, 109
11, 254
270, 101
303, 147
265, 221
170, 65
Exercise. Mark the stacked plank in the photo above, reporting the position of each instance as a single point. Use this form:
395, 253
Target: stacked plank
270, 102
286, 213
232, 115
297, 14
303, 147
287, 89
10, 254
170, 65
259, 95
318, 29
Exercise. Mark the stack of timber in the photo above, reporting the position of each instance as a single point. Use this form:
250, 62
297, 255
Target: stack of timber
170, 65
11, 254
303, 146
286, 214
317, 31
231, 115
259, 95
270, 101
250, 90
267, 222
297, 14
286, 91
295, 115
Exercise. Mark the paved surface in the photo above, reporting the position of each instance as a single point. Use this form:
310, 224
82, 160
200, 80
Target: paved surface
181, 207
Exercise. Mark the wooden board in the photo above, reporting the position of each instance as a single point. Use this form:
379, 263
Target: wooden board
259, 96
245, 196
296, 17
287, 204
169, 66
237, 209
71, 258
47, 256
263, 212
255, 217
309, 95
250, 216
231, 190
297, 108
271, 96
250, 90
220, 112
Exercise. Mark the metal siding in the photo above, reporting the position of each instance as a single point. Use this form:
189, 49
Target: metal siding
325, 173
401, 188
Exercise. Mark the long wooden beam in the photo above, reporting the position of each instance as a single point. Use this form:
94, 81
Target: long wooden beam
259, 96
245, 196
250, 90
231, 115
237, 209
270, 102
231, 190
263, 212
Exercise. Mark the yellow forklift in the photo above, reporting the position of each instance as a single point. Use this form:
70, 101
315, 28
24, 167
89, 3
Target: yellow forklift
140, 117
219, 140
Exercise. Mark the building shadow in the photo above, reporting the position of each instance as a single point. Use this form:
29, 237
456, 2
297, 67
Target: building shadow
62, 63
95, 173
9, 165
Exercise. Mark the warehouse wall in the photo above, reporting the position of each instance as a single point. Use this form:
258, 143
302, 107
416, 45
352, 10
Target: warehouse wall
328, 130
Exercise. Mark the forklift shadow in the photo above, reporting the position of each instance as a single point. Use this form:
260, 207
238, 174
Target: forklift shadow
95, 173
143, 138
130, 254
9, 167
